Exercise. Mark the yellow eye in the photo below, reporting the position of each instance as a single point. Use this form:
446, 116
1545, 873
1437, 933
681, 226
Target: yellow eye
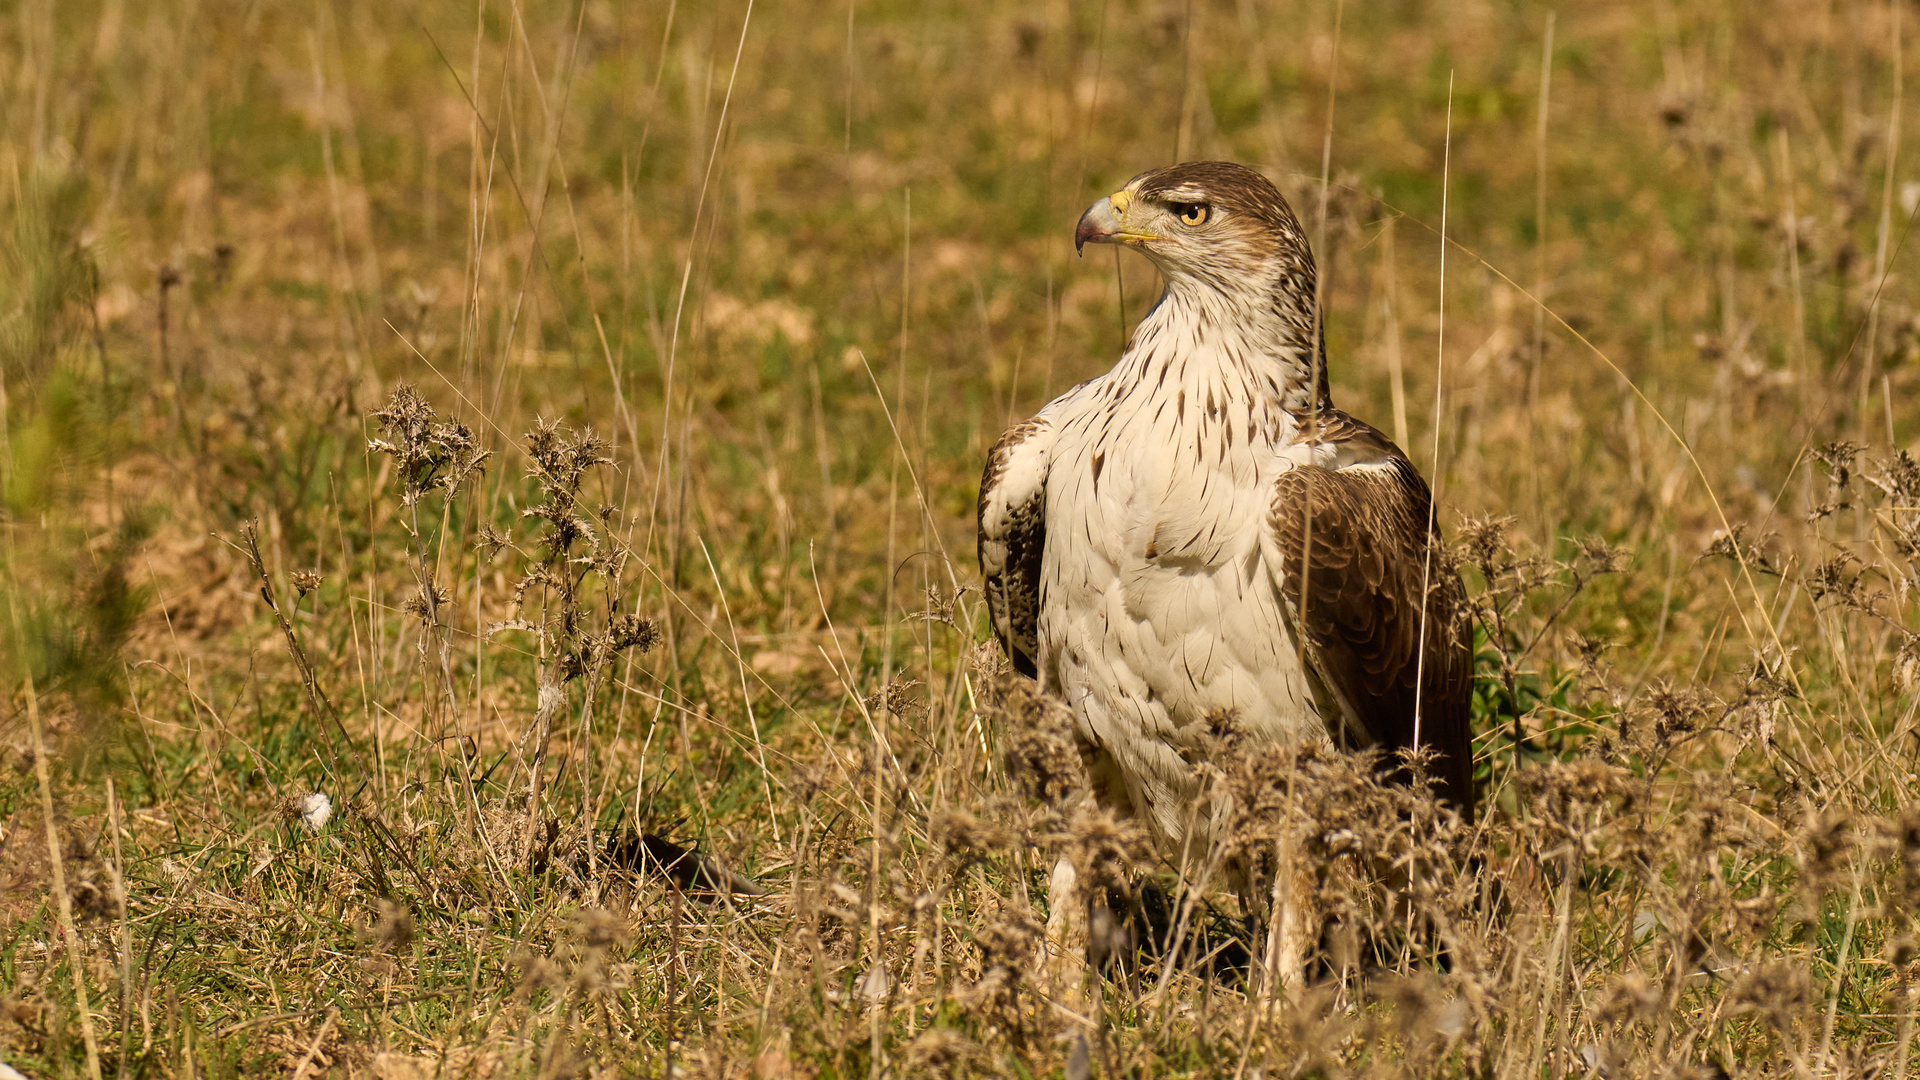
1191, 214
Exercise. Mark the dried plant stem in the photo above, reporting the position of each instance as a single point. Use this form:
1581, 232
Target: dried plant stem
1870, 362
552, 696
169, 277
1901, 1059
316, 697
430, 596
1840, 969
319, 1038
6, 436
1390, 301
893, 466
376, 829
875, 885
1192, 889
746, 694
1784, 151
1540, 257
76, 955
1439, 391
1540, 212
114, 826
1557, 960
673, 981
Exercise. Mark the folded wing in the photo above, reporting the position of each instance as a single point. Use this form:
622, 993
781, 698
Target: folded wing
1013, 532
1376, 604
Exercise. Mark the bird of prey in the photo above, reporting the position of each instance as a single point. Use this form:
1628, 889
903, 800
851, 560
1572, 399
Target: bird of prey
1199, 531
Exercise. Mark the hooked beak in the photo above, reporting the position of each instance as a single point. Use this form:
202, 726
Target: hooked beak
1101, 224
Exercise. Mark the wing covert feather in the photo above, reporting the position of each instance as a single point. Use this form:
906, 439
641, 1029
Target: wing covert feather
1363, 530
1012, 535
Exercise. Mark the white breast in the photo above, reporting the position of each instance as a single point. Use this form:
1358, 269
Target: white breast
1157, 606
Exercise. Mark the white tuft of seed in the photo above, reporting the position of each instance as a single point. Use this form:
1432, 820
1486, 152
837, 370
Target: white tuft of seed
875, 984
313, 810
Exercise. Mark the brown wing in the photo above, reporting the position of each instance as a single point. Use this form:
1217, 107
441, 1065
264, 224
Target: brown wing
1389, 662
1013, 533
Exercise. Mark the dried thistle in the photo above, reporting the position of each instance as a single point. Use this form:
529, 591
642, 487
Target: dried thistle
1571, 804
1900, 840
1598, 556
1757, 713
1682, 711
1834, 582
305, 582
571, 587
1507, 605
312, 810
1898, 477
1108, 850
898, 699
1588, 652
431, 454
390, 929
632, 632
1042, 750
944, 1052
1732, 544
586, 952
1776, 991
559, 459
427, 602
1752, 919
1906, 663
1825, 850
940, 606
492, 541
1008, 947
970, 838
536, 973
1839, 457
1631, 998
1483, 542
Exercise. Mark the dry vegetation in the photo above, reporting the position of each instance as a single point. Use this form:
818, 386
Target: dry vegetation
549, 431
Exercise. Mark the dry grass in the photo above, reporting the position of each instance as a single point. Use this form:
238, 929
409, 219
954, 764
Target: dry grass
708, 321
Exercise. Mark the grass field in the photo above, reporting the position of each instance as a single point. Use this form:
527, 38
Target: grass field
536, 426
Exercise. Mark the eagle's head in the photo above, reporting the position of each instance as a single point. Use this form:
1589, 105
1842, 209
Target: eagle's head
1211, 222
1229, 248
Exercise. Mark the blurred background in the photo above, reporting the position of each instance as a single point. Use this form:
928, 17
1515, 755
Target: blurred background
707, 235
798, 265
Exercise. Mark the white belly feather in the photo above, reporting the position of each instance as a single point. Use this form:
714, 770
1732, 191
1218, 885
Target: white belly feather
1158, 606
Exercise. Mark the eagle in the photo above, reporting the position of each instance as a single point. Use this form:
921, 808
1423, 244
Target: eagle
1199, 532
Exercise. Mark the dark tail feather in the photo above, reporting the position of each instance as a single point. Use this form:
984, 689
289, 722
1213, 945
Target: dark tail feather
694, 873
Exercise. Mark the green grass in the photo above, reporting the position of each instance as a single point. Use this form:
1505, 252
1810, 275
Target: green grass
798, 332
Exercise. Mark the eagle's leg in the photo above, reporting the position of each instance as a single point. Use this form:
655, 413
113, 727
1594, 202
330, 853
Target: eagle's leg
1293, 924
1066, 944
